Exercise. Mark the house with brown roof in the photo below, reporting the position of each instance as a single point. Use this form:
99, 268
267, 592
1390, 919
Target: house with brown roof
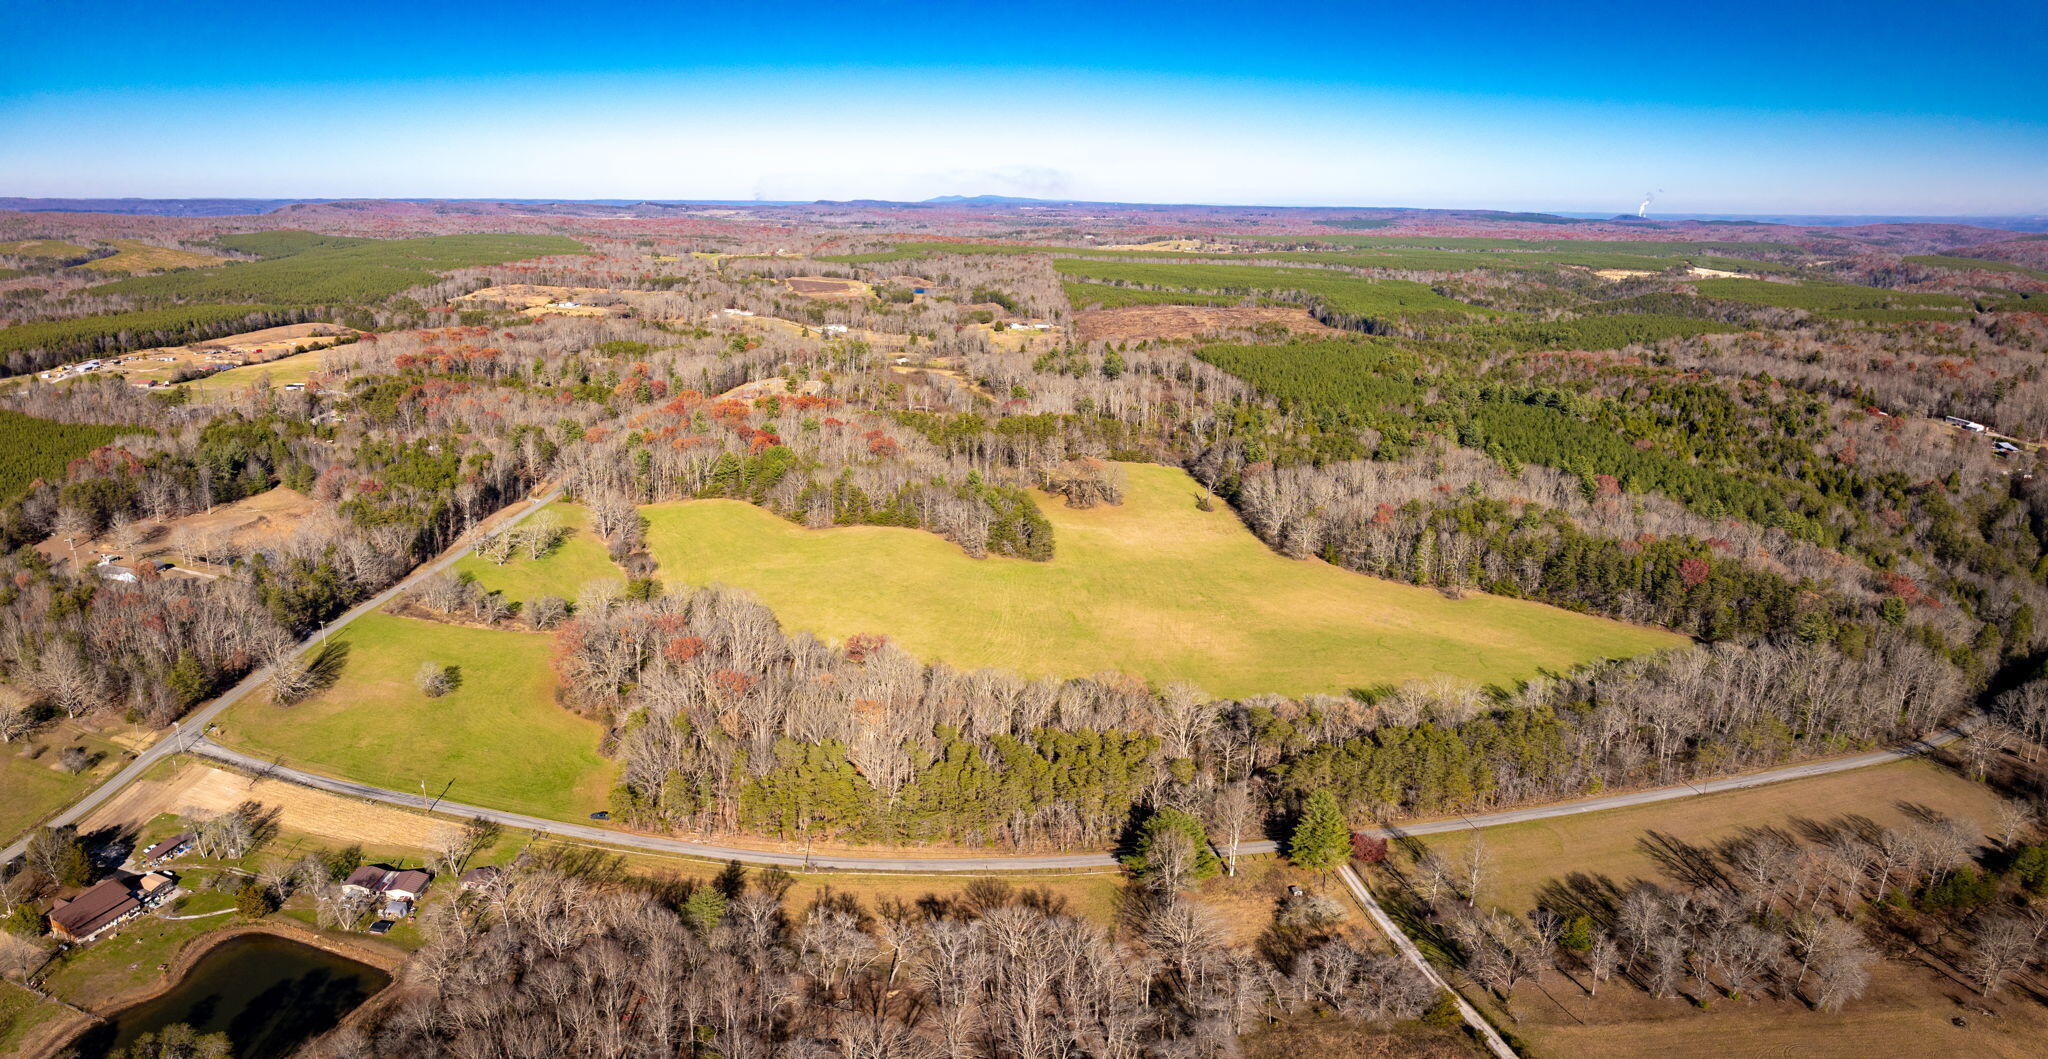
367, 879
379, 881
407, 885
478, 878
93, 912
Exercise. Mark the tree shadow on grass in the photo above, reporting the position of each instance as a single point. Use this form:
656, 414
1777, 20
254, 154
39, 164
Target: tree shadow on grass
327, 663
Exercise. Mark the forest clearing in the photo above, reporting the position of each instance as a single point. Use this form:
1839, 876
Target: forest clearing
1154, 588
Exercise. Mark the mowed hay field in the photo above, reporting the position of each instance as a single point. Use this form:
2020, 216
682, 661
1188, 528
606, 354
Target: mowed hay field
580, 559
133, 255
499, 735
1155, 587
298, 367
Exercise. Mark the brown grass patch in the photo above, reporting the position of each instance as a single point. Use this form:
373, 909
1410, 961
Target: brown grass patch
203, 790
821, 287
1527, 856
1907, 1011
264, 519
1134, 323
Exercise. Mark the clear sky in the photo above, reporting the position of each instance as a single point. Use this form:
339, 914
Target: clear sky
1880, 106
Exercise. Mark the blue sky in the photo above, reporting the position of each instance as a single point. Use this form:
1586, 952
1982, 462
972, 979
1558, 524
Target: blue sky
1874, 107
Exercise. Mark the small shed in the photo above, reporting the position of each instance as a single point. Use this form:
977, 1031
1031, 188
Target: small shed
168, 848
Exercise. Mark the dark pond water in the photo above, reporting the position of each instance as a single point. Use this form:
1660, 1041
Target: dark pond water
268, 994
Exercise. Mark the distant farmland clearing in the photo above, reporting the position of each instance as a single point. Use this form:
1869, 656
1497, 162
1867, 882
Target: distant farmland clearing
1155, 588
1341, 291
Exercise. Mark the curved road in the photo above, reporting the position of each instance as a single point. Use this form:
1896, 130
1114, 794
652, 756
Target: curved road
199, 744
197, 720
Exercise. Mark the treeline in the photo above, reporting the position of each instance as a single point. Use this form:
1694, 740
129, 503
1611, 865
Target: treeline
326, 271
815, 462
725, 723
43, 344
545, 962
1766, 913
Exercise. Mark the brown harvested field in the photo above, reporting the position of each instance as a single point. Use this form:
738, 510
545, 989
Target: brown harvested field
1139, 322
1247, 902
265, 518
773, 386
1907, 1012
820, 287
1911, 1001
1527, 856
197, 789
537, 300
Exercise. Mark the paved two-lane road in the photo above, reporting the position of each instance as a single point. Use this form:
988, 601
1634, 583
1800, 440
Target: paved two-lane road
924, 865
195, 722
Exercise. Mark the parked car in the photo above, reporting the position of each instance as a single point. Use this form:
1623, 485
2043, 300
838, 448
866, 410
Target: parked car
600, 815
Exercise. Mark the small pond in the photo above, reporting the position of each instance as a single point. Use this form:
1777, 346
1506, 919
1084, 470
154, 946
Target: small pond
268, 994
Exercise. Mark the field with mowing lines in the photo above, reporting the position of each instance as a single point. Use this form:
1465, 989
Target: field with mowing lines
499, 735
1155, 588
580, 559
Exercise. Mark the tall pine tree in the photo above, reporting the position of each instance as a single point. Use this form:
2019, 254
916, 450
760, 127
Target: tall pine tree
1321, 839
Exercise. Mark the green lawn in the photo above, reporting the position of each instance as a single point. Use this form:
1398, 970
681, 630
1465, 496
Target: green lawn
297, 367
36, 787
580, 559
1156, 588
21, 1012
499, 735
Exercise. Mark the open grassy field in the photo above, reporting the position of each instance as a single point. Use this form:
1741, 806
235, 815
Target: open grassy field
50, 248
23, 1013
498, 736
1155, 587
133, 255
36, 786
1528, 856
1341, 291
577, 561
298, 367
1906, 1012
